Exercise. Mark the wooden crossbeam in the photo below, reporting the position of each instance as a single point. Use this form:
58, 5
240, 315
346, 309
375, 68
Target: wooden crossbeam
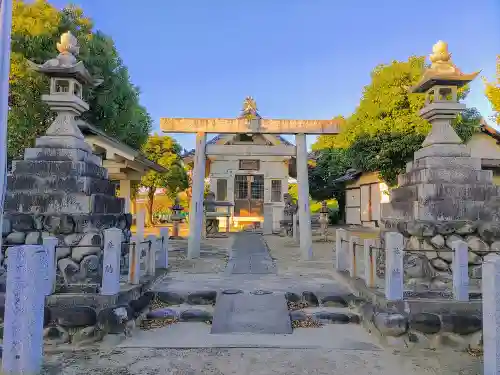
234, 126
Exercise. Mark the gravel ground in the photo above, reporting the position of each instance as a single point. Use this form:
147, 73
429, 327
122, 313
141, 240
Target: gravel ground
248, 361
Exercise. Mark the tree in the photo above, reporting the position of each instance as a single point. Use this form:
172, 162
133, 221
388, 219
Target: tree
492, 92
331, 141
114, 105
166, 152
331, 164
386, 129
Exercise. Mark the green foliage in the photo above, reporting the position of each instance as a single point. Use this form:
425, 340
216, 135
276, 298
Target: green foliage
386, 129
164, 151
492, 91
293, 191
114, 105
331, 141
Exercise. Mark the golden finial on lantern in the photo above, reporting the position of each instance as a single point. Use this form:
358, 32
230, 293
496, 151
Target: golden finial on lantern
440, 53
68, 44
442, 71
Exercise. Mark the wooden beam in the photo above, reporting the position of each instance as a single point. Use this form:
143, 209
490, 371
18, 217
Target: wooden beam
269, 126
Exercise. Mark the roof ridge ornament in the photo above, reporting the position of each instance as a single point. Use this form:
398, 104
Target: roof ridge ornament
249, 110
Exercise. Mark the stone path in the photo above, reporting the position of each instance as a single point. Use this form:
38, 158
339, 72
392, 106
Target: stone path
249, 255
257, 311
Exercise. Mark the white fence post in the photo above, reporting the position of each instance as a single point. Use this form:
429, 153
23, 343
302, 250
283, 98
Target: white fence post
369, 261
340, 250
110, 284
394, 266
353, 247
24, 310
491, 314
50, 243
460, 270
163, 256
151, 255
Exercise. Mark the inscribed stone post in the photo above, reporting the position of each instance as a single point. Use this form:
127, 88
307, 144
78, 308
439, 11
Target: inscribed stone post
491, 314
111, 262
151, 246
134, 261
369, 262
340, 255
353, 255
24, 310
163, 255
460, 270
394, 266
50, 243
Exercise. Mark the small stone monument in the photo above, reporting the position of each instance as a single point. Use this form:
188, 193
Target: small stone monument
176, 218
60, 188
444, 196
289, 211
211, 223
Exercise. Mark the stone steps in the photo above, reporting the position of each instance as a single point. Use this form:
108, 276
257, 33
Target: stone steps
426, 192
274, 312
69, 184
43, 168
443, 175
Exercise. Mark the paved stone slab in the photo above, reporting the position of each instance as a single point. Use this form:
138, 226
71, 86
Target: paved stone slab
238, 313
249, 255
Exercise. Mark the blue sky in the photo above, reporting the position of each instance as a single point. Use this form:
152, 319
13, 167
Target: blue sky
300, 59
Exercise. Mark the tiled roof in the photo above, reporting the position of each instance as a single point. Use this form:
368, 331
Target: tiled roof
215, 139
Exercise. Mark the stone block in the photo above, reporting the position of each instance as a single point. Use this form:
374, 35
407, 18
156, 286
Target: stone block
397, 210
67, 184
60, 202
85, 223
443, 175
48, 141
442, 150
448, 162
475, 192
448, 209
55, 154
58, 168
20, 222
405, 193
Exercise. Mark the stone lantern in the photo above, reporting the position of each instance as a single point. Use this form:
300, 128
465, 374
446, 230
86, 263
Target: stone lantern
60, 188
440, 84
67, 77
323, 220
176, 218
444, 196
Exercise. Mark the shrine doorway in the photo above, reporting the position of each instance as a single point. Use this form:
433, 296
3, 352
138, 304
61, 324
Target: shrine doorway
249, 196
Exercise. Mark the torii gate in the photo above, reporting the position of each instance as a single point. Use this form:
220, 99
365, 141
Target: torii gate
249, 122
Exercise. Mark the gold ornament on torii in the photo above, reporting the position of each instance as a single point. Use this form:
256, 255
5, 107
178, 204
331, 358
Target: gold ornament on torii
249, 104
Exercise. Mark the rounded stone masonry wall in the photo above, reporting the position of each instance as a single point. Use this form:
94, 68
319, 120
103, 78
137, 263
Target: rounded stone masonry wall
428, 255
80, 242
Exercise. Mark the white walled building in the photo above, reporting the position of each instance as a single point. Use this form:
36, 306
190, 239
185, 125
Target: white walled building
250, 171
